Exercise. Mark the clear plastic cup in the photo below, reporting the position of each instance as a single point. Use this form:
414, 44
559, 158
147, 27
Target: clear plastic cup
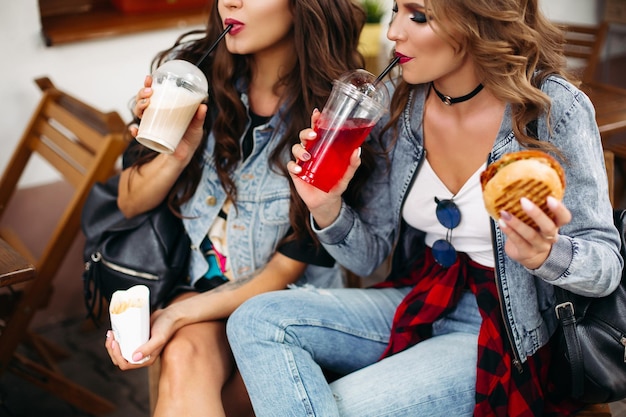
178, 89
353, 108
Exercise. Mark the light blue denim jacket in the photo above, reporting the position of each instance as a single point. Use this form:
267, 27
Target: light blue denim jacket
585, 259
260, 218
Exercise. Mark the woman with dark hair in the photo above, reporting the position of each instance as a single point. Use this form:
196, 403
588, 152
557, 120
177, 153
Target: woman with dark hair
462, 325
228, 180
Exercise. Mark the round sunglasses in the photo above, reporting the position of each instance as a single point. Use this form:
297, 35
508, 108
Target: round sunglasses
449, 216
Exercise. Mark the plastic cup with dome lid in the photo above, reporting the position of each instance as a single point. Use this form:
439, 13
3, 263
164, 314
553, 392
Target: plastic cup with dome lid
179, 87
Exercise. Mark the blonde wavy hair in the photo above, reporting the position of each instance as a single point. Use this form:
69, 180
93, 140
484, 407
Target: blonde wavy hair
514, 46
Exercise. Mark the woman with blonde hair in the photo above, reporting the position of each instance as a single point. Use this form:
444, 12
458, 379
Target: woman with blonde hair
462, 325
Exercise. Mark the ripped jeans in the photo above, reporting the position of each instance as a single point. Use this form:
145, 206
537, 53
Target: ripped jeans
283, 340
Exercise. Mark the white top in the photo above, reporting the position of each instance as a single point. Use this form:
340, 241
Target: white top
472, 235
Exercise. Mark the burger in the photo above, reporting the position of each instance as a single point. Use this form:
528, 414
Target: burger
532, 174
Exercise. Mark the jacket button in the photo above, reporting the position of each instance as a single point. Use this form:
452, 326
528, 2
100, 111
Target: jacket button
211, 200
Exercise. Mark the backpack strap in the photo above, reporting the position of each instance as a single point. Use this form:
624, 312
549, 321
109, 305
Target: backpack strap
565, 313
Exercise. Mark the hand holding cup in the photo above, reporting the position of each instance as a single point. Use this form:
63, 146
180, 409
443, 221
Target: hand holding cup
178, 89
130, 319
355, 105
142, 99
324, 206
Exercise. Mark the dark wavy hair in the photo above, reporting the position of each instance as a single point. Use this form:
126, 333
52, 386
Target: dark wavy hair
515, 47
326, 35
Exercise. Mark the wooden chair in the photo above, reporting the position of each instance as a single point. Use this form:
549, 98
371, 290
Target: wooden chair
83, 145
584, 47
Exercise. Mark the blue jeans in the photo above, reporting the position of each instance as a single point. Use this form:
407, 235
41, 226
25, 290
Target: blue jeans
282, 341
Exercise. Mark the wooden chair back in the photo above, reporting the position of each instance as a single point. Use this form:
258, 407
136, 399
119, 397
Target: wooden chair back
82, 144
584, 46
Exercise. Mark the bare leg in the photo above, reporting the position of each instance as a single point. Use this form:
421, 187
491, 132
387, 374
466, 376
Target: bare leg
235, 397
195, 365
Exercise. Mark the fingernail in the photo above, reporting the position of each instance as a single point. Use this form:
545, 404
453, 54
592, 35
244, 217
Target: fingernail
502, 224
505, 215
316, 110
137, 356
311, 135
359, 151
526, 204
147, 90
108, 335
297, 169
305, 156
552, 202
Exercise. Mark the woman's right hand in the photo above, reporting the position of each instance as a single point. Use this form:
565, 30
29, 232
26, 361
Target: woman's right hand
141, 102
143, 189
143, 97
192, 137
324, 207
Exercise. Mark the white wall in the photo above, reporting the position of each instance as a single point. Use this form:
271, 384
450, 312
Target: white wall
579, 11
107, 73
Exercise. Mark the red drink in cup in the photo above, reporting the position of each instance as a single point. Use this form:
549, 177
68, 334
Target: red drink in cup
333, 156
352, 110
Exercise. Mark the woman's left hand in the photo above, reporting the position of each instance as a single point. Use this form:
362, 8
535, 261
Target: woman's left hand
526, 245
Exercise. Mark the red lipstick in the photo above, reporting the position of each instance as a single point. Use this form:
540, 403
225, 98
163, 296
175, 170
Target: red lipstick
403, 58
237, 26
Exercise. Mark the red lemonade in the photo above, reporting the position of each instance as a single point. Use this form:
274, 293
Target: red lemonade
331, 151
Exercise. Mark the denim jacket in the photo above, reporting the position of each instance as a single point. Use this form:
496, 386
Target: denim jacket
585, 259
259, 220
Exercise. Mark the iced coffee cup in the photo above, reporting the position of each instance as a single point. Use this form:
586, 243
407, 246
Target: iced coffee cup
178, 89
354, 106
130, 319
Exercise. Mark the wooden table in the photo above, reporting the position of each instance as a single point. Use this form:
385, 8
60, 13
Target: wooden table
13, 267
610, 104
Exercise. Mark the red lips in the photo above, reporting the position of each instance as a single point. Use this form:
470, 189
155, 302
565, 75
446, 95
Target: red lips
237, 26
403, 58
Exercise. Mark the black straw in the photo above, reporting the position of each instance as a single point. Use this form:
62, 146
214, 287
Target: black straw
386, 70
212, 47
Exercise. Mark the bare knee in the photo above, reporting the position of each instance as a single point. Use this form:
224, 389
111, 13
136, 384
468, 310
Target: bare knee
181, 349
197, 349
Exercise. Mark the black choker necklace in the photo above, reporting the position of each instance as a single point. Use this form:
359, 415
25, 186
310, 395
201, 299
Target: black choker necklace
450, 101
